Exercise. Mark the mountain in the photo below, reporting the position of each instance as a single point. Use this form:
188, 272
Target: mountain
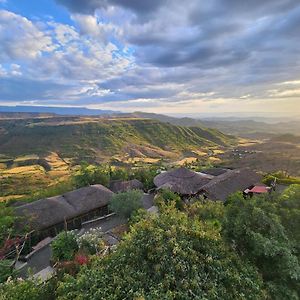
75, 111
238, 127
100, 139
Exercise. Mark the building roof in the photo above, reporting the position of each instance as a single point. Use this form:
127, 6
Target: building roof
259, 189
47, 212
119, 186
230, 182
181, 181
215, 171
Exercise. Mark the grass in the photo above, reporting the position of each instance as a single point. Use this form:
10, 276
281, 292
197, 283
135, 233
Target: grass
186, 160
25, 170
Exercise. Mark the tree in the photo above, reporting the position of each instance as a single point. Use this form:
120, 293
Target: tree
89, 174
169, 256
124, 204
7, 219
253, 229
288, 209
166, 196
65, 246
145, 175
27, 289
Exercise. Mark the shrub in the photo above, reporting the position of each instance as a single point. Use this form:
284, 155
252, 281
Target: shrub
7, 219
65, 246
124, 204
6, 270
91, 242
27, 289
166, 196
137, 216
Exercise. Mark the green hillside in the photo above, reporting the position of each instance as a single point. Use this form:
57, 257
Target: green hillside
91, 138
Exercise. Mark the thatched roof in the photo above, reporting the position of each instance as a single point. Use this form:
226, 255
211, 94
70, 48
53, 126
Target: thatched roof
215, 171
119, 186
51, 211
181, 181
230, 182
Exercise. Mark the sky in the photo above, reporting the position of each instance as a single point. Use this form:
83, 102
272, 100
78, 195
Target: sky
216, 57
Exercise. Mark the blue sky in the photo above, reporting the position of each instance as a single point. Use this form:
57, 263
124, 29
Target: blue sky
215, 57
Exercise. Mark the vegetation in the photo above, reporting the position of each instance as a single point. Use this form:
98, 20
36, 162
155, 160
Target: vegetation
7, 219
246, 249
254, 230
68, 244
91, 242
27, 289
167, 257
166, 196
124, 204
65, 246
281, 178
6, 270
89, 139
89, 174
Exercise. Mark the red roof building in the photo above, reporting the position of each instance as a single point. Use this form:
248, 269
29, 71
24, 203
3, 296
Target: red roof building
259, 189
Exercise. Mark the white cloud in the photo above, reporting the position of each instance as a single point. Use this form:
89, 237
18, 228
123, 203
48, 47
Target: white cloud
20, 39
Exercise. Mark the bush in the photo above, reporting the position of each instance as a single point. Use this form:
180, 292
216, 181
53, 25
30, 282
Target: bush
166, 196
138, 216
6, 270
91, 242
281, 178
65, 246
124, 204
27, 289
7, 219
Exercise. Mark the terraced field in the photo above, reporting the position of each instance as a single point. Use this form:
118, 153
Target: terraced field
21, 176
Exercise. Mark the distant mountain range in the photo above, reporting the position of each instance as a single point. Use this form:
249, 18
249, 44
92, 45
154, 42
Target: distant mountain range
237, 126
75, 111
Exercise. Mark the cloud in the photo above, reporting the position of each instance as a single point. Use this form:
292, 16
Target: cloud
89, 6
20, 38
159, 51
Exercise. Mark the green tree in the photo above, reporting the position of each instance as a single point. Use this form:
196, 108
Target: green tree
255, 232
89, 174
124, 204
7, 220
27, 289
145, 175
65, 246
166, 196
169, 256
288, 209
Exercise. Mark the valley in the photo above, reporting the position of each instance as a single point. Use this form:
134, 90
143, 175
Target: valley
40, 152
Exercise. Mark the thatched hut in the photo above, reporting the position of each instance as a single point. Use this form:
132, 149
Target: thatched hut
220, 187
181, 181
51, 215
119, 186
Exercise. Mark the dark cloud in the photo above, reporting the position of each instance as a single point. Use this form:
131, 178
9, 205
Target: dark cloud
89, 6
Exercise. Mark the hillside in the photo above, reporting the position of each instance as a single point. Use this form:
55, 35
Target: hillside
99, 139
238, 127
